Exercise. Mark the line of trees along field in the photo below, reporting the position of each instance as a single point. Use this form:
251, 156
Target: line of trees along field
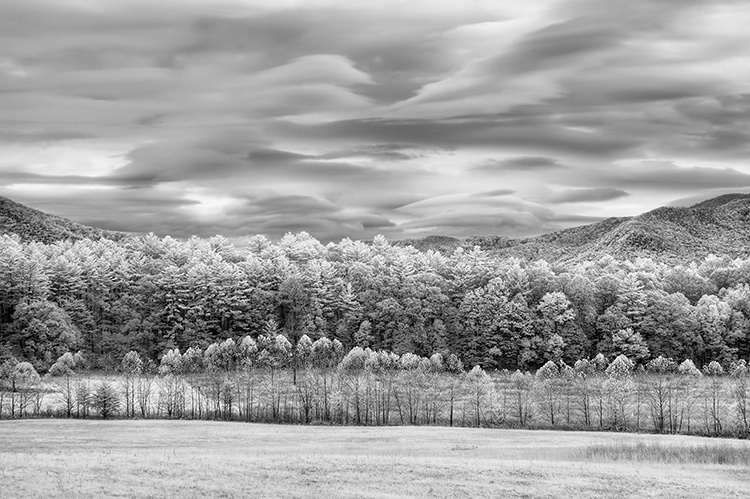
270, 380
151, 295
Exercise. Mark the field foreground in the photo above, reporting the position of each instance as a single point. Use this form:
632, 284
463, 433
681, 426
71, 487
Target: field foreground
67, 458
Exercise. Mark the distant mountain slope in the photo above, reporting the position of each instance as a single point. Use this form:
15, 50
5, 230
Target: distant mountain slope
34, 225
720, 226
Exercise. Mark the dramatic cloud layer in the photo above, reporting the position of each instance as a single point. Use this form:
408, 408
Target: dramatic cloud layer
247, 116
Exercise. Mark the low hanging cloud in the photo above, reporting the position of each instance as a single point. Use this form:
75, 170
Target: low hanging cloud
244, 116
588, 195
523, 163
495, 193
666, 175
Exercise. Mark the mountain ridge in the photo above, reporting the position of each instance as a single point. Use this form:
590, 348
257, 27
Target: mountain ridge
719, 226
34, 225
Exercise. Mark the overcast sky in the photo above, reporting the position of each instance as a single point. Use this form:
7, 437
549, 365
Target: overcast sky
349, 119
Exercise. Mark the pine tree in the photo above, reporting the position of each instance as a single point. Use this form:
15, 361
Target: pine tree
105, 400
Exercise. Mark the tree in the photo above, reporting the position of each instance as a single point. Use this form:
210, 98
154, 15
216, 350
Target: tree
714, 320
6, 387
584, 370
619, 384
363, 337
295, 304
555, 309
105, 400
276, 352
322, 353
63, 371
522, 386
554, 348
42, 332
661, 387
668, 327
247, 352
481, 391
689, 282
740, 390
547, 382
607, 325
131, 367
630, 344
713, 406
23, 380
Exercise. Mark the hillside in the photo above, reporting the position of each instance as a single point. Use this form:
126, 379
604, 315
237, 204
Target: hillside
718, 226
34, 225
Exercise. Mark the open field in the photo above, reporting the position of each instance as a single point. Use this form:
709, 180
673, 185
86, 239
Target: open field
66, 458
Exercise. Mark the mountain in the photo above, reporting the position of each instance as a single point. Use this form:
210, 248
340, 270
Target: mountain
719, 226
34, 225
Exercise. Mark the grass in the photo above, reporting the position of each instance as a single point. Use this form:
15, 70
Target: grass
197, 459
699, 453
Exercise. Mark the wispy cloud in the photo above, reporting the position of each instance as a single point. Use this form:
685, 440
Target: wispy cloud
342, 119
587, 195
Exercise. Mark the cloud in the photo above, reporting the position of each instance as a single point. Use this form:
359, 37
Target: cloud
722, 110
523, 163
468, 222
140, 211
497, 192
588, 195
382, 152
278, 214
710, 194
342, 119
667, 176
505, 133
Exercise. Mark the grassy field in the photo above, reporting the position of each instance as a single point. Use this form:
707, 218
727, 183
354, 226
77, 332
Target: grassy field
67, 458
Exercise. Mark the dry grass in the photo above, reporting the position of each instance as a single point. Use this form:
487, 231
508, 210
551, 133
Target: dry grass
716, 452
63, 458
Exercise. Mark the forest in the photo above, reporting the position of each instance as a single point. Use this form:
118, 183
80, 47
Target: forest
370, 333
151, 295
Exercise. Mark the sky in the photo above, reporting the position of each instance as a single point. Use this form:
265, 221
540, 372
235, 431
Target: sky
343, 118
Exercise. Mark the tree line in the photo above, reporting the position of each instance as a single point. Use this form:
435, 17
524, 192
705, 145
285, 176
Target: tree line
152, 295
317, 382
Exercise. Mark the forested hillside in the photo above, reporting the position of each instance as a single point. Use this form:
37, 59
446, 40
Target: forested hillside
150, 295
719, 226
33, 225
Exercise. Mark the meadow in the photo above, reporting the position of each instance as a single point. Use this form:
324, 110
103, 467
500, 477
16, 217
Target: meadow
157, 458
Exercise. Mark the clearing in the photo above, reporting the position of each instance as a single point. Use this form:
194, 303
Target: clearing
137, 458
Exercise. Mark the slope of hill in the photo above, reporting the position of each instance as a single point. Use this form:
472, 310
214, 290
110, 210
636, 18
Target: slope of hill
719, 226
33, 225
